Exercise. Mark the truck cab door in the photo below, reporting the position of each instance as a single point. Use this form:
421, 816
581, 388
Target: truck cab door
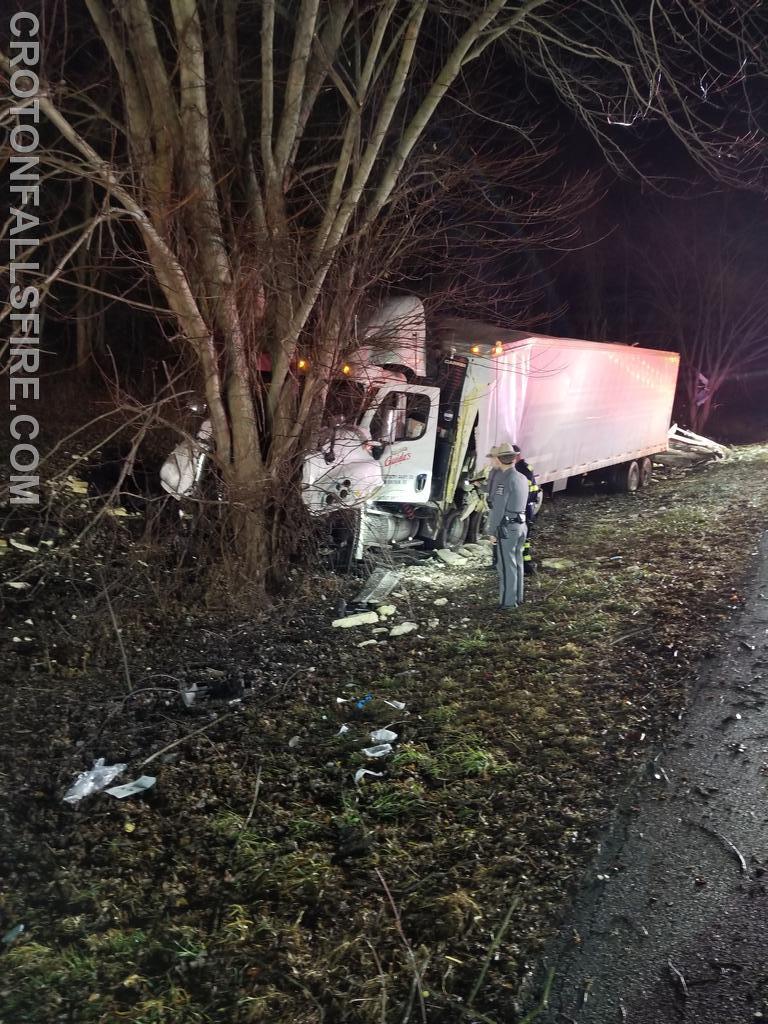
403, 422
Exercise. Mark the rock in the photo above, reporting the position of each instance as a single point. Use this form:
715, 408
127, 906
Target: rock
385, 610
368, 643
403, 628
557, 563
360, 619
433, 623
450, 557
381, 629
440, 602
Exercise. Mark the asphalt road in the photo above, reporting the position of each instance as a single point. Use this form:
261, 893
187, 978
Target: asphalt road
672, 925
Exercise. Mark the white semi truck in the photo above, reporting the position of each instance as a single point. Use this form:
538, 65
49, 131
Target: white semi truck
422, 411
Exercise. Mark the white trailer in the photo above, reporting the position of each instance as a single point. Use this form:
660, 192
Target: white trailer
574, 407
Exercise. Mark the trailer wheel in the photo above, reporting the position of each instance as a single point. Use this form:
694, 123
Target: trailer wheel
453, 532
646, 472
477, 524
626, 477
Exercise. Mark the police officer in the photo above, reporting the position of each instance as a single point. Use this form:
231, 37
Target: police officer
495, 471
531, 509
507, 526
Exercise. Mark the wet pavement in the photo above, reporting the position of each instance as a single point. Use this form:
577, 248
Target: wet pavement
672, 925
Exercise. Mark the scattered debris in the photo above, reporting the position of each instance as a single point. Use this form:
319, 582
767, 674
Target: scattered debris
368, 643
76, 486
17, 584
378, 587
92, 781
343, 730
398, 705
383, 736
358, 619
386, 610
20, 546
403, 628
557, 563
362, 772
12, 934
139, 785
450, 557
380, 750
440, 602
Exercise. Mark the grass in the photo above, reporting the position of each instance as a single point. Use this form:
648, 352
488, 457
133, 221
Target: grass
516, 735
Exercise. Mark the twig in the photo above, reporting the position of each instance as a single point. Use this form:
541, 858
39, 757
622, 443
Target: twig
123, 655
252, 808
382, 979
409, 949
543, 1002
495, 943
183, 739
725, 841
678, 978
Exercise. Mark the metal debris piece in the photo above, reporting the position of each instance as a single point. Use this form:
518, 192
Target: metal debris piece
93, 781
139, 785
378, 587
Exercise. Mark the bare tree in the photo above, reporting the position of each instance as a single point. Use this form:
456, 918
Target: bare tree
706, 295
271, 158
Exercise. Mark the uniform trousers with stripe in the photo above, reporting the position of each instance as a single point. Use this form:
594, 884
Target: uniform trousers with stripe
509, 564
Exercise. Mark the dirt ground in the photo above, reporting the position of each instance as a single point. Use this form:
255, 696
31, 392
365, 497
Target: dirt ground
256, 881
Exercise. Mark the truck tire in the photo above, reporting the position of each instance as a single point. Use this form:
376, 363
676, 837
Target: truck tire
477, 524
453, 532
646, 471
626, 477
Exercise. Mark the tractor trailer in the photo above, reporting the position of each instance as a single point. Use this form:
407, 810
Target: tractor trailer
412, 420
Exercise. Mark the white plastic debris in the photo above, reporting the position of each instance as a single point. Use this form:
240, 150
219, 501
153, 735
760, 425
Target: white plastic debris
440, 602
93, 781
383, 736
359, 619
380, 750
131, 788
402, 628
398, 705
343, 730
362, 772
22, 547
18, 584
